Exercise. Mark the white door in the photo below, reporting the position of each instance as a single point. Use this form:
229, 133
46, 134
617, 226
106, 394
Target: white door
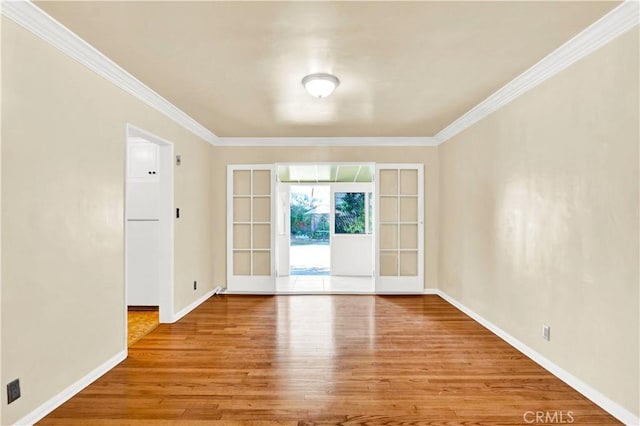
399, 222
143, 209
143, 260
250, 233
283, 237
351, 230
143, 161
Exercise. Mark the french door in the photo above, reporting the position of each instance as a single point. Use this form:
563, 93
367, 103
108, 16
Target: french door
250, 230
399, 219
351, 234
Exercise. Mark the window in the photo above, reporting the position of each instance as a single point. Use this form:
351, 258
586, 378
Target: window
353, 213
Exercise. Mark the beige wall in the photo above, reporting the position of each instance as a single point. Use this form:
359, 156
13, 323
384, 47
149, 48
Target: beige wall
63, 158
223, 156
1, 376
539, 219
531, 216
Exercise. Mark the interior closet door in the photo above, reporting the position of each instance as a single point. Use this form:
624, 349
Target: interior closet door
400, 228
250, 231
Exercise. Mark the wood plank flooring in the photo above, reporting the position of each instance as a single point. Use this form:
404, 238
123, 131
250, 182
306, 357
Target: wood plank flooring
141, 322
315, 360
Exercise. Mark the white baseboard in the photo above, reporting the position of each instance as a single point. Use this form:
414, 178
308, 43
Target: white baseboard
59, 399
596, 397
46, 408
195, 304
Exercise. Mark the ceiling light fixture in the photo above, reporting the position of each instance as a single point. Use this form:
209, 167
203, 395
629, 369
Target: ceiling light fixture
320, 85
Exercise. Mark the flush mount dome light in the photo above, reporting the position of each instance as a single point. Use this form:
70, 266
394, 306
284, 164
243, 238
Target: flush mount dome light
320, 85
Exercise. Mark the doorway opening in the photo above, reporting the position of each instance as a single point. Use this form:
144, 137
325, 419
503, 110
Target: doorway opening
376, 247
325, 241
141, 320
310, 242
148, 233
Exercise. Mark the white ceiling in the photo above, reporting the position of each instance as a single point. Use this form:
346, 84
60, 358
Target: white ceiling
406, 68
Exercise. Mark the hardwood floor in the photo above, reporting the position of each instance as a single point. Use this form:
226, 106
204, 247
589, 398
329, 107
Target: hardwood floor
141, 322
305, 360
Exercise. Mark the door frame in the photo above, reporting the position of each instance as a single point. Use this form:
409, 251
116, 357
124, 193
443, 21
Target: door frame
283, 236
166, 237
250, 284
287, 185
400, 284
383, 284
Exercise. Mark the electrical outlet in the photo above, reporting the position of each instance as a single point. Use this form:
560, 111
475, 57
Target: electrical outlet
546, 332
13, 391
195, 285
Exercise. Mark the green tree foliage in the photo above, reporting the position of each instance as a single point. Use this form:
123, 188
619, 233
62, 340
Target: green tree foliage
301, 205
350, 215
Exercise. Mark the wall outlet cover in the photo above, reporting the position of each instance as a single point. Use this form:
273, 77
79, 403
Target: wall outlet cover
13, 391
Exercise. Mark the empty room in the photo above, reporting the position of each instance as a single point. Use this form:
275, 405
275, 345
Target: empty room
320, 213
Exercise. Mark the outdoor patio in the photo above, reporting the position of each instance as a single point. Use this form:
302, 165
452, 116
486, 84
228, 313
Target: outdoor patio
310, 258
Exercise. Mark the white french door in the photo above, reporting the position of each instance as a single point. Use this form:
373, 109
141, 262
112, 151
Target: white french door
399, 219
351, 248
283, 229
250, 230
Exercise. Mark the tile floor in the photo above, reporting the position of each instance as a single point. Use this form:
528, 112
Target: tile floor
305, 284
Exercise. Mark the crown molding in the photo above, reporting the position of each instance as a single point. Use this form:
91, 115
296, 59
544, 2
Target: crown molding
34, 19
328, 141
616, 22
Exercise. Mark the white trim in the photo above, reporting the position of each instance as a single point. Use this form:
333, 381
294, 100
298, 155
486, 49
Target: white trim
258, 284
250, 292
618, 21
607, 28
399, 284
34, 19
592, 394
167, 264
324, 163
430, 291
70, 391
329, 141
598, 398
167, 240
249, 283
229, 242
178, 315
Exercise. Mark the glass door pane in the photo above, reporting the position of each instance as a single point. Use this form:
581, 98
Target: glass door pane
250, 236
400, 228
